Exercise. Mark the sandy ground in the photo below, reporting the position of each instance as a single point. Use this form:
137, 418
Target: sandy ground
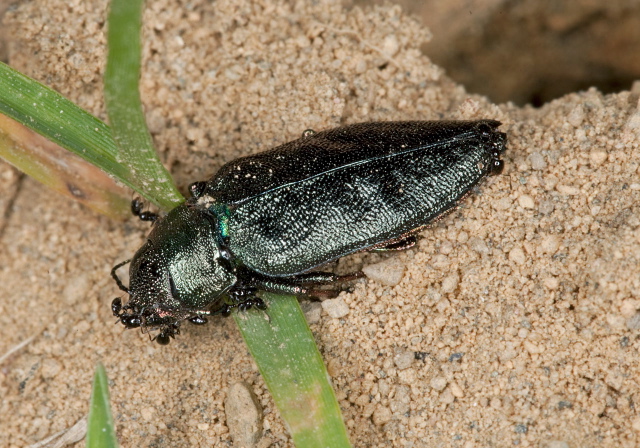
515, 321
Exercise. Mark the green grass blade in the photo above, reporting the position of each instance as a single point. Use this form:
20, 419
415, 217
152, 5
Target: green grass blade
53, 116
100, 429
284, 349
122, 97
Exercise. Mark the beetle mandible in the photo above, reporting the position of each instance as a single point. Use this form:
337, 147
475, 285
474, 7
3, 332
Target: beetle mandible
265, 222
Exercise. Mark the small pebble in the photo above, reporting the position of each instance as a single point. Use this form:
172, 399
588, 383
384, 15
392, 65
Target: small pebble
537, 161
550, 244
633, 323
456, 390
447, 397
335, 308
526, 201
388, 272
450, 283
567, 190
404, 360
147, 413
598, 157
50, 368
390, 45
635, 424
244, 415
521, 429
381, 415
576, 116
439, 383
517, 255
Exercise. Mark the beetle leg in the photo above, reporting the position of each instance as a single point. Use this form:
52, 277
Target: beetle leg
243, 295
322, 278
403, 244
197, 320
136, 209
300, 284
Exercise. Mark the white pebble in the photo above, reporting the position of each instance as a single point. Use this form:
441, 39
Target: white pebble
576, 116
439, 383
537, 161
404, 360
526, 201
450, 283
335, 308
517, 255
388, 272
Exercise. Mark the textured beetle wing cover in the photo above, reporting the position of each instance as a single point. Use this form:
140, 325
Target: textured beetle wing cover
318, 198
329, 150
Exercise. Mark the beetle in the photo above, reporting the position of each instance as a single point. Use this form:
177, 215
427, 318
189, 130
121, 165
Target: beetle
266, 222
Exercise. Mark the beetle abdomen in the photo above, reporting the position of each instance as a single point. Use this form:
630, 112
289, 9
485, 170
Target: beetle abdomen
355, 187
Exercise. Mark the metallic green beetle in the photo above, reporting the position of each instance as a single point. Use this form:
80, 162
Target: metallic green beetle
266, 221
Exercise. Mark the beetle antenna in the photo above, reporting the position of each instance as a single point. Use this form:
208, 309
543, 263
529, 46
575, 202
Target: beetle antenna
115, 276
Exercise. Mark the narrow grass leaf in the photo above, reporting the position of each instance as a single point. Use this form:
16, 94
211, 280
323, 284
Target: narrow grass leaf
284, 349
100, 429
124, 108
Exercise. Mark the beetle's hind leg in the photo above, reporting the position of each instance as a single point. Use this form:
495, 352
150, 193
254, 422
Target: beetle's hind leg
324, 278
404, 243
307, 284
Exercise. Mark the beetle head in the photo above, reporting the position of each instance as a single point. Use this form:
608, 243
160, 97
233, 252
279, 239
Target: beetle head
177, 274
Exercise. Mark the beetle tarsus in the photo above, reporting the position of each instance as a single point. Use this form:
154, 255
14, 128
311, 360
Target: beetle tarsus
137, 207
198, 320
